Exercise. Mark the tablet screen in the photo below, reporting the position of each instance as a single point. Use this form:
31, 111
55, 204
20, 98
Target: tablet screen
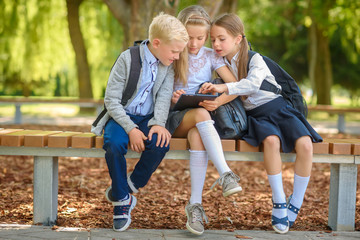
192, 101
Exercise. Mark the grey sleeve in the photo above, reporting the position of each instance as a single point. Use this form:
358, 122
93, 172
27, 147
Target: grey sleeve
114, 91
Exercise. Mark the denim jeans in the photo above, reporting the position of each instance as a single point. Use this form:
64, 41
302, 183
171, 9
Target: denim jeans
116, 142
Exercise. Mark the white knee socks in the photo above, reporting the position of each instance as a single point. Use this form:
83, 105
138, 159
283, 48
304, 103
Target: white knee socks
198, 167
278, 196
300, 186
212, 144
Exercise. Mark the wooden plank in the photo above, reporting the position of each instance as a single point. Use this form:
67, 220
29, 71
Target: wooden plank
332, 109
99, 142
38, 139
15, 139
4, 131
9, 130
321, 148
243, 146
61, 140
340, 148
178, 144
355, 149
228, 145
83, 140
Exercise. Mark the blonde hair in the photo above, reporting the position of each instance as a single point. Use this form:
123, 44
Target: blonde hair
235, 27
168, 28
194, 15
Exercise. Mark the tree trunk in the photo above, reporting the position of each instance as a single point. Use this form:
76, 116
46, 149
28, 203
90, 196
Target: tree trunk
83, 71
135, 16
323, 72
312, 51
320, 70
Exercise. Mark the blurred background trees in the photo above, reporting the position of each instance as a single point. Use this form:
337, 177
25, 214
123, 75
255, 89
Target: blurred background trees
67, 47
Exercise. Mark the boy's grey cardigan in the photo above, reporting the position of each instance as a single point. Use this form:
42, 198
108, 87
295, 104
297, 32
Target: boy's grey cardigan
119, 76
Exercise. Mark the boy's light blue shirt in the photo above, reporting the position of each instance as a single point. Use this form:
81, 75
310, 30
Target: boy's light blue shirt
143, 102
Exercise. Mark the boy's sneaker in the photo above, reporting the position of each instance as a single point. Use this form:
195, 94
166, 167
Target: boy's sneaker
195, 214
229, 182
122, 210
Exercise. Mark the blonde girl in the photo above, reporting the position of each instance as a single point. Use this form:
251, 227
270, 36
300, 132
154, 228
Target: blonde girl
272, 122
196, 123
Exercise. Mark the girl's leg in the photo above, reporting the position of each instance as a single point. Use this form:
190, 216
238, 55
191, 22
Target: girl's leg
303, 165
272, 161
210, 139
198, 166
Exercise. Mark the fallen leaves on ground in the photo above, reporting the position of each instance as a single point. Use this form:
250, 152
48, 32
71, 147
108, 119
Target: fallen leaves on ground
82, 204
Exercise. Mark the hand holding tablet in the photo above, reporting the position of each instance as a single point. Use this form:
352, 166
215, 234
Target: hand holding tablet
192, 101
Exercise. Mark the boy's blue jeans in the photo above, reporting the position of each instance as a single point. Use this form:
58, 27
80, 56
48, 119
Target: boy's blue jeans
116, 144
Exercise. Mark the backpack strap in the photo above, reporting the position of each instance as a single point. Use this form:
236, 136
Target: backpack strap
135, 69
265, 85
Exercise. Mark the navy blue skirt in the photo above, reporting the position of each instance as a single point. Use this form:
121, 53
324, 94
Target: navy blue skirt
278, 118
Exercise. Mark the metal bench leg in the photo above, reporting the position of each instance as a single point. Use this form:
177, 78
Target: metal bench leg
18, 117
342, 202
341, 123
45, 190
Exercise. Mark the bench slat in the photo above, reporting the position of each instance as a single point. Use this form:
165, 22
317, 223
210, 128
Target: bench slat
15, 139
99, 142
4, 131
83, 140
228, 145
321, 148
61, 140
243, 146
38, 139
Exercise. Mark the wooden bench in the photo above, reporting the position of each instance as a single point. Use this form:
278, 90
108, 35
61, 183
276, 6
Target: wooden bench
19, 101
47, 146
335, 110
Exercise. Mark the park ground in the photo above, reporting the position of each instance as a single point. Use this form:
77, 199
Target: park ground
82, 182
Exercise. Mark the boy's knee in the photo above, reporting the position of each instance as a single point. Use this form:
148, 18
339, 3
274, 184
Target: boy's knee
152, 145
115, 147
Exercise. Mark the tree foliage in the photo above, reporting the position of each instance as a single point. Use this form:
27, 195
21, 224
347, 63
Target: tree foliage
37, 56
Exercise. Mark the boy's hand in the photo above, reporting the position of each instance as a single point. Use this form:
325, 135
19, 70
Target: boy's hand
176, 95
213, 88
137, 139
164, 135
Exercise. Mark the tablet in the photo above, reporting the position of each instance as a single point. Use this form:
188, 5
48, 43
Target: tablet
191, 101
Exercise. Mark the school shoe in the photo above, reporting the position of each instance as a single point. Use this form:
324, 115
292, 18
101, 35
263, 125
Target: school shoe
277, 222
195, 214
229, 182
122, 210
293, 209
108, 191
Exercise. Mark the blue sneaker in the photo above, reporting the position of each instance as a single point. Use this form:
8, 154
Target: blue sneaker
122, 210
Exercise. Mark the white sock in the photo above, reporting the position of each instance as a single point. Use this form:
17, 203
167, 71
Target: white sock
212, 144
278, 196
198, 166
300, 186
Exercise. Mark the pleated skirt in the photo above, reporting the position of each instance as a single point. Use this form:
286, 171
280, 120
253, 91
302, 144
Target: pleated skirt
278, 118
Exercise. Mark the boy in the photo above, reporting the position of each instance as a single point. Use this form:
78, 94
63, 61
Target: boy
141, 121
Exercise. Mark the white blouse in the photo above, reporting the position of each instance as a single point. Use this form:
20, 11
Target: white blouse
201, 67
250, 86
